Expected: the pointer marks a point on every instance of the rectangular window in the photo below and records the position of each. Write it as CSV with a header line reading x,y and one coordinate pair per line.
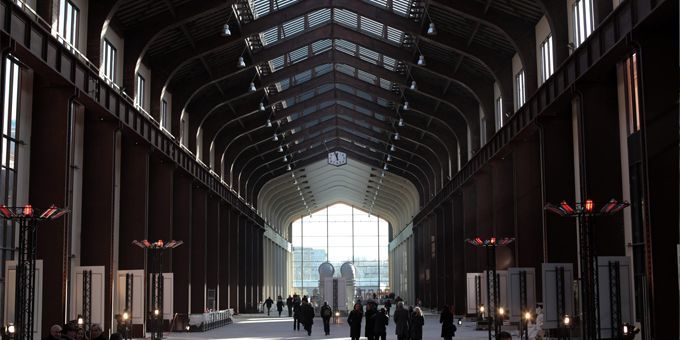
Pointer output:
x,y
139,98
520,92
68,22
164,114
499,113
546,59
631,84
8,166
583,20
110,55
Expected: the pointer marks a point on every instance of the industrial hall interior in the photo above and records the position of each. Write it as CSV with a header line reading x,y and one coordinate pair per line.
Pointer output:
x,y
400,169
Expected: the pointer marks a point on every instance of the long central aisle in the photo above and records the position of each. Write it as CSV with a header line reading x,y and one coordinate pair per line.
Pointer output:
x,y
258,326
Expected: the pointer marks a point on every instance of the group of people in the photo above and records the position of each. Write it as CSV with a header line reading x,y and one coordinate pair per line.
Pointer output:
x,y
376,321
279,305
71,331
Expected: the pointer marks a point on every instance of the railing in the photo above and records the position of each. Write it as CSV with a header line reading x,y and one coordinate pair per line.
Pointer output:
x,y
605,38
31,40
210,320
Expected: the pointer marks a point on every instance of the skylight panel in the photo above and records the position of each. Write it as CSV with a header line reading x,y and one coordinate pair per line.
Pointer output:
x,y
372,26
293,27
307,95
368,55
345,17
384,102
319,17
346,69
367,77
401,6
323,69
259,8
279,4
297,55
324,88
283,84
364,95
389,63
345,46
344,87
270,36
386,84
302,77
326,104
394,35
321,46
362,110
381,3
276,63
380,117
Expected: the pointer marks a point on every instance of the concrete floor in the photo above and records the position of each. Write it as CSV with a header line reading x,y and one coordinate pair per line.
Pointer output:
x,y
259,326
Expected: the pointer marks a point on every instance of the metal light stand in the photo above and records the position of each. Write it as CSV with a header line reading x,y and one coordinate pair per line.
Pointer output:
x,y
156,273
28,218
523,322
129,279
491,284
589,281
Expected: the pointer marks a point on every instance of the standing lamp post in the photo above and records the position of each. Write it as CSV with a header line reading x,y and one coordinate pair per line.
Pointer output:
x,y
126,329
156,250
584,212
27,218
491,279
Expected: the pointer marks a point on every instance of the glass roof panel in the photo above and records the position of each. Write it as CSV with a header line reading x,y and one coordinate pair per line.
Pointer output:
x,y
297,55
319,17
293,27
321,46
346,17
261,8
401,7
372,26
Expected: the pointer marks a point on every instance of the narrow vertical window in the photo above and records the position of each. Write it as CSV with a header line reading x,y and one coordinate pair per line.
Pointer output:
x,y
546,58
68,22
630,76
499,113
109,61
520,92
164,114
583,20
139,98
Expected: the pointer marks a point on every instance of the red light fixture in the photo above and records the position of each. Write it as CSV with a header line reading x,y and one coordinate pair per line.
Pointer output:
x,y
6,212
28,210
589,206
493,240
566,207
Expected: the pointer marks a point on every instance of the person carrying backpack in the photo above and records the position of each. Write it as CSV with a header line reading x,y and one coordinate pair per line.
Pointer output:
x,y
326,313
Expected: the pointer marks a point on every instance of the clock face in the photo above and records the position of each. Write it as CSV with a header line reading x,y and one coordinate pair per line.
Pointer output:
x,y
337,158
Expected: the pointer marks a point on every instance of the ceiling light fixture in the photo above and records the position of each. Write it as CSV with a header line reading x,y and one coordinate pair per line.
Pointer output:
x,y
414,86
241,63
285,158
269,123
401,122
252,87
226,32
385,167
393,148
276,137
262,108
406,105
396,136
431,29
280,148
389,158
421,60
289,168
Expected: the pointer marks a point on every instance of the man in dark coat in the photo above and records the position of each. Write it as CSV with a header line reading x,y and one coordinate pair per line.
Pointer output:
x,y
279,305
289,304
326,313
370,312
269,302
417,322
354,321
296,312
307,315
401,321
448,328
380,321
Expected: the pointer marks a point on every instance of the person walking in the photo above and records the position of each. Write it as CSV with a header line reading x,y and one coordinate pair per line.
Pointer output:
x,y
296,313
446,319
269,302
289,304
388,305
417,322
354,321
380,321
307,315
401,321
279,305
370,312
326,313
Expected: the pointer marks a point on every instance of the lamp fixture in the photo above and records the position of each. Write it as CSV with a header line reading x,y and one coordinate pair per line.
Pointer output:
x,y
280,148
285,158
393,148
226,32
406,105
262,108
421,60
431,29
385,167
289,168
414,86
276,137
389,158
241,63
401,122
252,87
269,123
396,136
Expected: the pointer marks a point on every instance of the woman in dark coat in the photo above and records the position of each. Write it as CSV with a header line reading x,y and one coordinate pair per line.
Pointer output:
x,y
448,328
354,321
279,305
380,321
370,312
417,322
401,321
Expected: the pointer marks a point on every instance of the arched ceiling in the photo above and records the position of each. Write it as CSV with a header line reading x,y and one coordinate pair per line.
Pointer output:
x,y
318,184
330,75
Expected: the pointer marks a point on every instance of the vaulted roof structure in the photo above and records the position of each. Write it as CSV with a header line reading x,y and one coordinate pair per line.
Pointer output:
x,y
366,77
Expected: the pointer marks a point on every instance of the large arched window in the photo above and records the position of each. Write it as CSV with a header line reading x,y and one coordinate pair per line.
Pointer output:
x,y
340,233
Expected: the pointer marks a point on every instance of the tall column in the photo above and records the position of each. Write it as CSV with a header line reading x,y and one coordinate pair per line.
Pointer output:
x,y
161,176
181,230
212,245
457,238
198,249
233,260
503,209
50,172
99,222
224,256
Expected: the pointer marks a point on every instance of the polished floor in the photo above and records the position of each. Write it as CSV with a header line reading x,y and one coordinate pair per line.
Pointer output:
x,y
259,326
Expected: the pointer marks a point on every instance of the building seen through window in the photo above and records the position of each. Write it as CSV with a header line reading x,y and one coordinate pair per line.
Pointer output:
x,y
338,234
